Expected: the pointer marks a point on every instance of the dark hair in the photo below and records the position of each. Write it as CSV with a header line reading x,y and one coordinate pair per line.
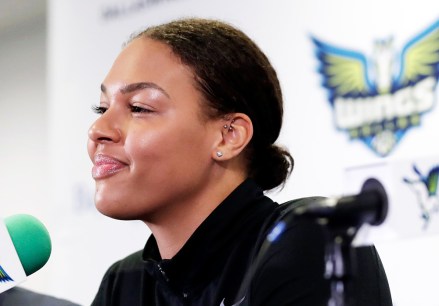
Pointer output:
x,y
233,75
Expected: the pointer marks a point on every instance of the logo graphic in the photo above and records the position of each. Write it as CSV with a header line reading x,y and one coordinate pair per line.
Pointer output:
x,y
378,99
4,277
425,189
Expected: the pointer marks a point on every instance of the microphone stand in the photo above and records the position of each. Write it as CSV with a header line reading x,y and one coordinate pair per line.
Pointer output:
x,y
342,218
339,268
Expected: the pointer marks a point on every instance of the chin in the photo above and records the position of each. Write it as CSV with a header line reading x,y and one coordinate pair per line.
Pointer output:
x,y
114,214
116,211
112,210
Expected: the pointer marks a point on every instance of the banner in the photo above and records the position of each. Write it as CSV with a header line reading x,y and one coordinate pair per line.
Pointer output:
x,y
412,189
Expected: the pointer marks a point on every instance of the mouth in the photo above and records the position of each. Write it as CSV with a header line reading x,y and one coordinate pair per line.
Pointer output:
x,y
105,166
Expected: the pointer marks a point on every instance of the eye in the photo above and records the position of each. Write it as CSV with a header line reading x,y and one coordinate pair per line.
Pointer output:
x,y
138,109
99,109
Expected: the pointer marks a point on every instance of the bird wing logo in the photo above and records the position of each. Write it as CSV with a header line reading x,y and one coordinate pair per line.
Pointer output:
x,y
425,187
4,277
377,99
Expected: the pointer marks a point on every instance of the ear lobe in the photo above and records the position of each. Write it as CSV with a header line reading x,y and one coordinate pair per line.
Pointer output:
x,y
236,133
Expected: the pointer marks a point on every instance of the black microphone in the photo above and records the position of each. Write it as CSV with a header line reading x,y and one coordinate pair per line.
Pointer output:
x,y
369,206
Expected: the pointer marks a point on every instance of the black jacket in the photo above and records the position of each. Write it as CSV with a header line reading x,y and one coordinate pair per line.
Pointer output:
x,y
210,269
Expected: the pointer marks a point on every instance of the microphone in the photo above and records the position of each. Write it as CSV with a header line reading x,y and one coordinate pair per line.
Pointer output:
x,y
25,248
369,206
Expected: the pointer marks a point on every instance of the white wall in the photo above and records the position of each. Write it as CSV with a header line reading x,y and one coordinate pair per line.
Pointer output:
x,y
23,118
24,180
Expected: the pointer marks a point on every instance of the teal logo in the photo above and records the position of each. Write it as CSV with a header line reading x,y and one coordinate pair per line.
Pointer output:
x,y
378,98
425,188
4,277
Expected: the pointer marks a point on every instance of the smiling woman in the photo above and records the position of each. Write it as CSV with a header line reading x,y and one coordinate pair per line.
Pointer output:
x,y
152,135
189,115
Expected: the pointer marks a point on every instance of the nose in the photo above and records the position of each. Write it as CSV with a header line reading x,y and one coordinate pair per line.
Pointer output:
x,y
105,129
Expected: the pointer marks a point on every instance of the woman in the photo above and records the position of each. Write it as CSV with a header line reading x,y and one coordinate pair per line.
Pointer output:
x,y
190,112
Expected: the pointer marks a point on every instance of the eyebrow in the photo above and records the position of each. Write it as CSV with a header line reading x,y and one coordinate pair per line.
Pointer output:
x,y
129,88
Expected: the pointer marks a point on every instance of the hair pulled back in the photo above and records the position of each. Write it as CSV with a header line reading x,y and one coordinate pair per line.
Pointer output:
x,y
233,75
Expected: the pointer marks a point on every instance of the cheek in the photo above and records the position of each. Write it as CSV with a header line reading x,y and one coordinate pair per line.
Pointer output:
x,y
167,152
149,156
140,146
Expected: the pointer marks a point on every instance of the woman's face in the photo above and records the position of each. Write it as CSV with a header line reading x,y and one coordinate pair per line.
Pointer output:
x,y
151,148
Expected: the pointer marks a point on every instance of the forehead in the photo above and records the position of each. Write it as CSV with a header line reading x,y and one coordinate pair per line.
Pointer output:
x,y
144,59
147,61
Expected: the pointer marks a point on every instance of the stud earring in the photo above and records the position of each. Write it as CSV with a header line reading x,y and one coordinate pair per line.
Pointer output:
x,y
230,128
219,153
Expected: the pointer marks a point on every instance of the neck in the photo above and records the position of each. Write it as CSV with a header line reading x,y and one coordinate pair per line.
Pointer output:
x,y
173,228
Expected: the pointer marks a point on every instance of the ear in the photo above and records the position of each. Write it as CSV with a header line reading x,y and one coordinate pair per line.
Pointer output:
x,y
236,132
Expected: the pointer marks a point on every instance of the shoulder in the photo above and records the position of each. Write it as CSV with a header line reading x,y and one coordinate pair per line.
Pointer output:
x,y
288,269
121,277
130,263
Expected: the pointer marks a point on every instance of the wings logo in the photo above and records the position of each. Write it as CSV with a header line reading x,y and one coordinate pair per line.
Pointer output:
x,y
4,277
377,99
425,189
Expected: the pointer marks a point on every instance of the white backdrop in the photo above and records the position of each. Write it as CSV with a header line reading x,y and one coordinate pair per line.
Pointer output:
x,y
23,117
85,37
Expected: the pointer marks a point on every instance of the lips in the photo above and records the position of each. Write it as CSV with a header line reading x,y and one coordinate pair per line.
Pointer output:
x,y
105,166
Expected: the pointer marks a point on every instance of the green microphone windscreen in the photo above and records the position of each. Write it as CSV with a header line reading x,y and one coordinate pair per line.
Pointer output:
x,y
31,241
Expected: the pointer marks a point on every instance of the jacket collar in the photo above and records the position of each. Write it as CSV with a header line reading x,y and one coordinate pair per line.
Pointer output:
x,y
209,246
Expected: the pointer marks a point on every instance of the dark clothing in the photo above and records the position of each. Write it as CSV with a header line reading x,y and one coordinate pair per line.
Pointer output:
x,y
21,297
210,268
